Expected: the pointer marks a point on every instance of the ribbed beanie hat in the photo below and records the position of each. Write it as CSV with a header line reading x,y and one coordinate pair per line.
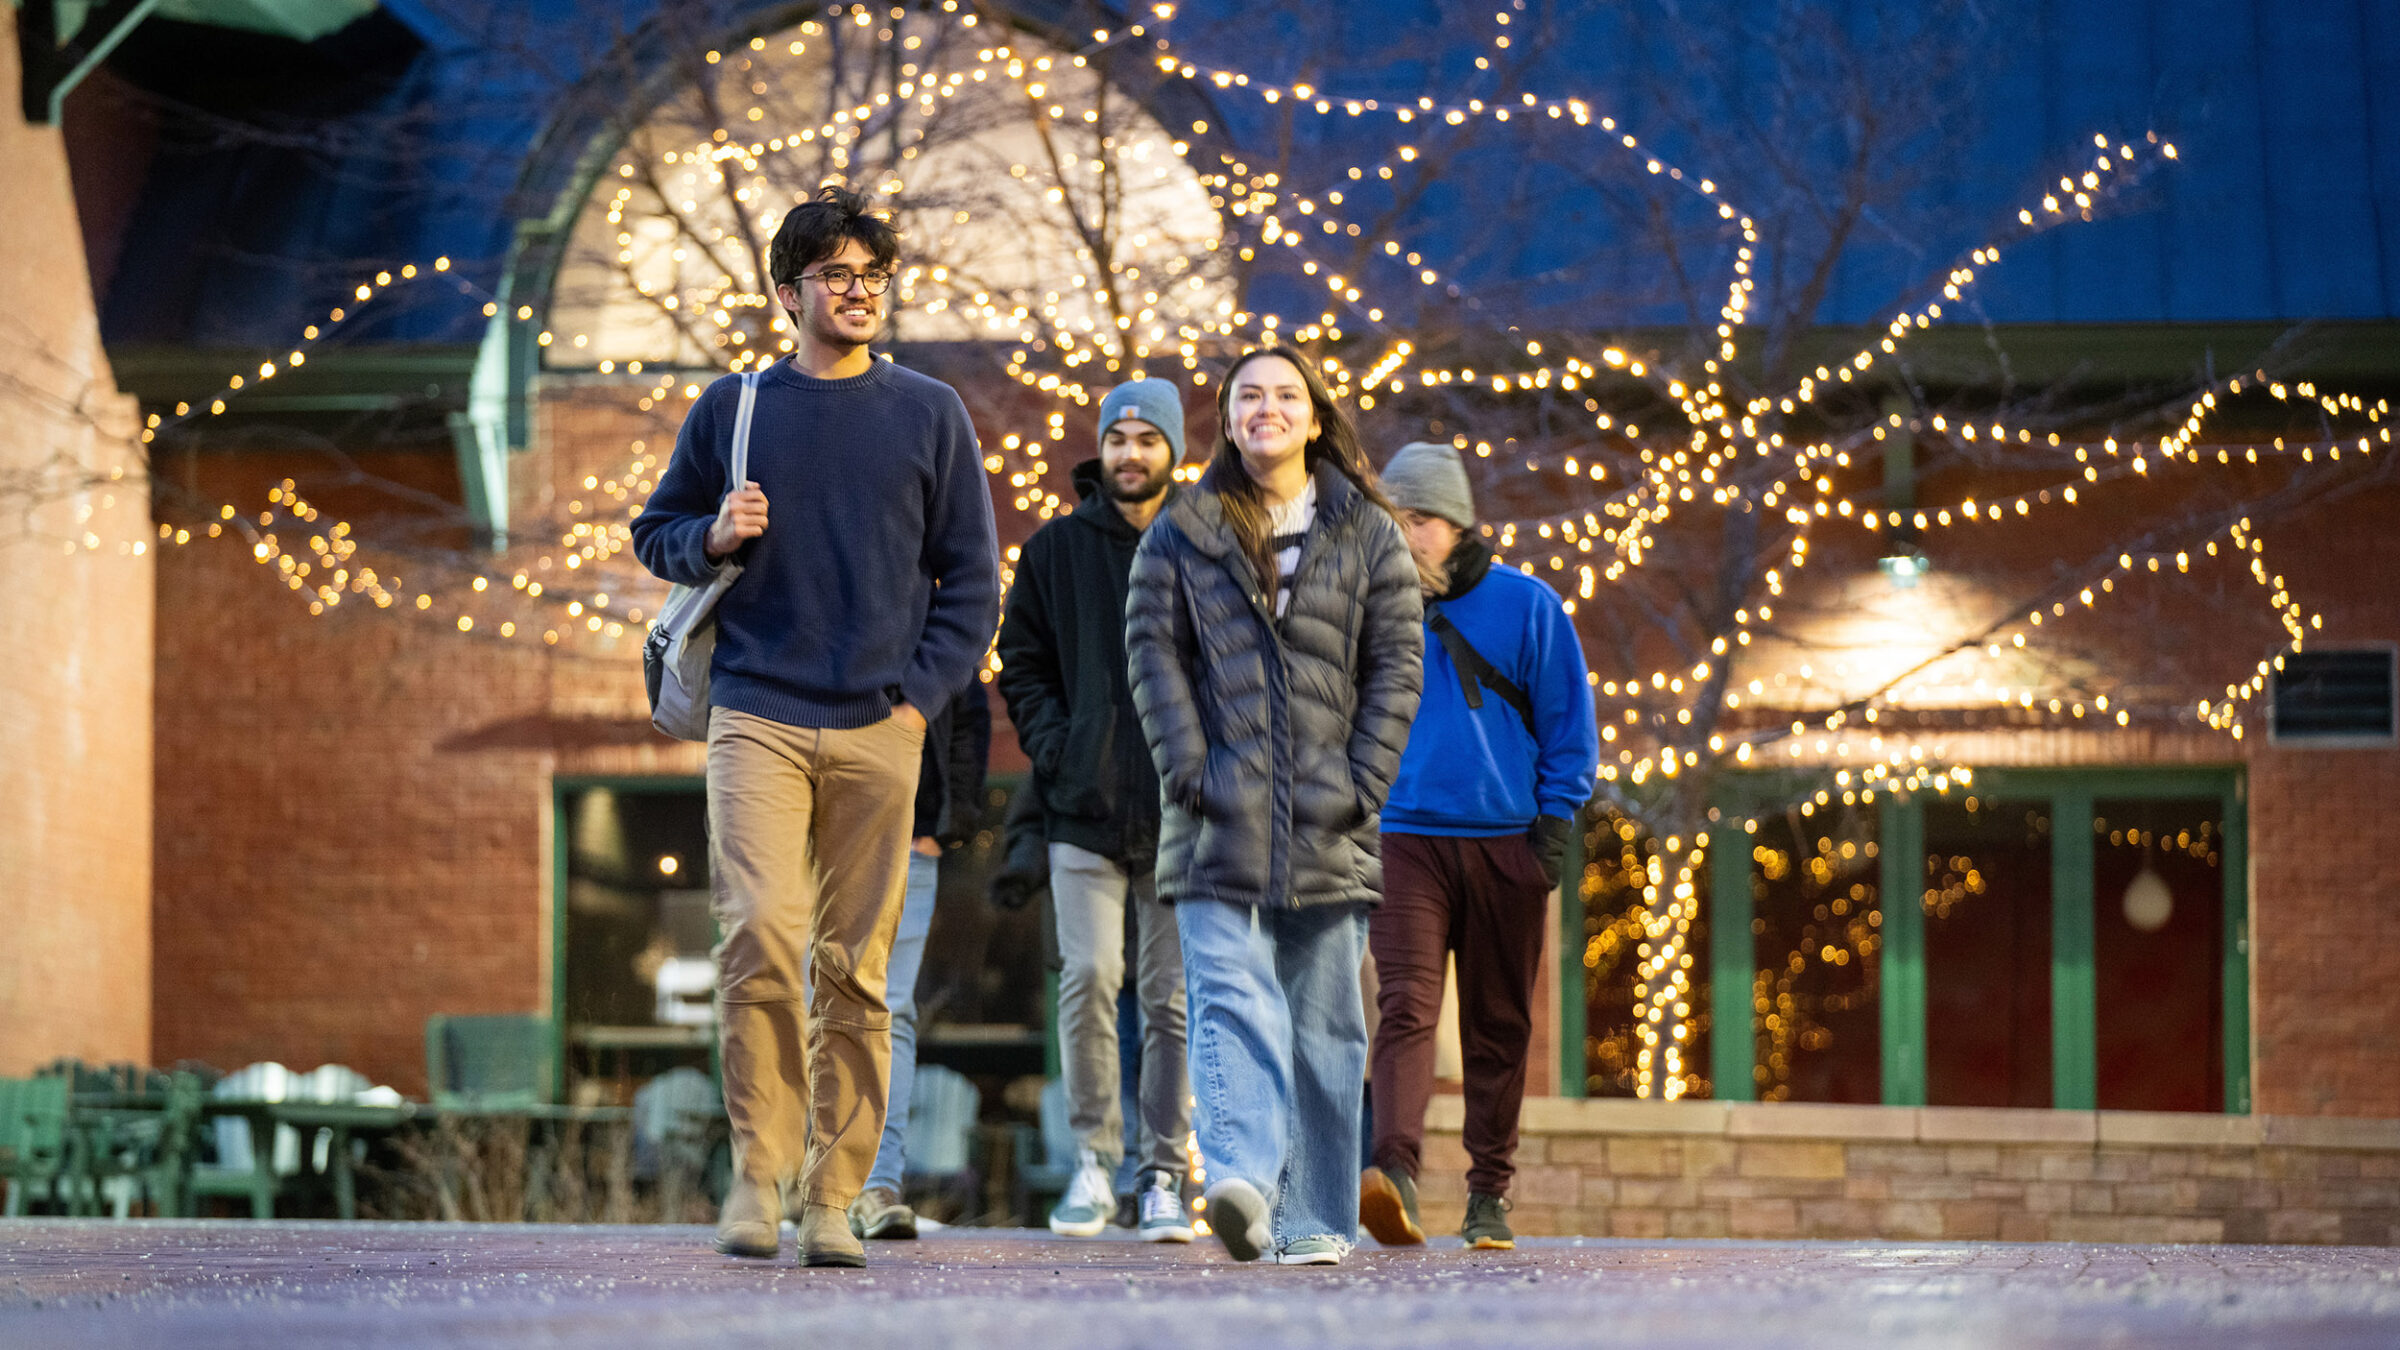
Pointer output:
x,y
1155,401
1429,477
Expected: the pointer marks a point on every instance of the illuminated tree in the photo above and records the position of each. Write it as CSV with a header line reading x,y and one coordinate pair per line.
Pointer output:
x,y
1738,499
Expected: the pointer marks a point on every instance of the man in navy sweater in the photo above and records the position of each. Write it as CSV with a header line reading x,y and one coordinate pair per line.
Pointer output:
x,y
1500,758
870,599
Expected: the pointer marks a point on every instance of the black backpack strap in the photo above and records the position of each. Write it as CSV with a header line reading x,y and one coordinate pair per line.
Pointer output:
x,y
1474,669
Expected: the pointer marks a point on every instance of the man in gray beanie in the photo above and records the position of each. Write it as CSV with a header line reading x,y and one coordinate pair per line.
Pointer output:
x,y
1063,673
1499,760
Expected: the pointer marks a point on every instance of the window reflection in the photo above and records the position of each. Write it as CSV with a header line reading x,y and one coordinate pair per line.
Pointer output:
x,y
1986,902
1816,984
2158,951
1618,860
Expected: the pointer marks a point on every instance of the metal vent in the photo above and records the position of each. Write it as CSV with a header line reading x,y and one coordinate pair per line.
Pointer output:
x,y
2335,698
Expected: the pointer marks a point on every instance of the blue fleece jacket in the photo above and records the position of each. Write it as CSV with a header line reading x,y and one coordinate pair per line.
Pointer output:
x,y
1479,771
878,577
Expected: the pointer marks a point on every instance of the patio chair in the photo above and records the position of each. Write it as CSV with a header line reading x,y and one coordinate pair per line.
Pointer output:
x,y
136,1139
34,1154
488,1062
942,1108
1045,1157
675,1118
686,987
236,1171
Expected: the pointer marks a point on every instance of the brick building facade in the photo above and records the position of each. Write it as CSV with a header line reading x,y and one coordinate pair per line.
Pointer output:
x,y
75,673
258,833
396,805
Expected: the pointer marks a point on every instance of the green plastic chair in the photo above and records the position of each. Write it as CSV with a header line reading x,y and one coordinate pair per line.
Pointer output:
x,y
488,1062
34,1156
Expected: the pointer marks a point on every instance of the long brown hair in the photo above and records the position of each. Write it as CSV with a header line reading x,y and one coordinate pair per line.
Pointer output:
x,y
1336,443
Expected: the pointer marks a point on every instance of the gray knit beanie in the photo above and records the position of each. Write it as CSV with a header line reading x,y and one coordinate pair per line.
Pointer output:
x,y
1429,477
1154,401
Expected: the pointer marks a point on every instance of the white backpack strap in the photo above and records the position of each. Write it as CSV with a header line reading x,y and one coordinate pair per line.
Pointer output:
x,y
741,431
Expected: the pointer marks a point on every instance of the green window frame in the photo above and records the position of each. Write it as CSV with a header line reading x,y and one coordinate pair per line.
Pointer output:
x,y
2074,1018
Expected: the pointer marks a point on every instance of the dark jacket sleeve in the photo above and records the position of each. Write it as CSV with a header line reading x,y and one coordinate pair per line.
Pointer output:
x,y
670,533
1391,661
1030,679
1161,651
970,751
962,553
1024,869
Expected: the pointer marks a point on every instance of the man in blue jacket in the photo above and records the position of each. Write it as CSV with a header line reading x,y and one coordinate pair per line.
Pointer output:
x,y
862,608
1500,758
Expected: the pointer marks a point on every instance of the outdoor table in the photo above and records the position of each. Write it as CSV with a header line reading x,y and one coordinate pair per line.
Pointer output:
x,y
544,1111
344,1119
597,1041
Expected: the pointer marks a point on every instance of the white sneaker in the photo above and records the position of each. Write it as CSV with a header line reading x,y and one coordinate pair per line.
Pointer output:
x,y
1085,1209
1162,1215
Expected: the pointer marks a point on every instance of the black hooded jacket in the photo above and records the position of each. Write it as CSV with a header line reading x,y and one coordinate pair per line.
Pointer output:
x,y
958,749
1063,676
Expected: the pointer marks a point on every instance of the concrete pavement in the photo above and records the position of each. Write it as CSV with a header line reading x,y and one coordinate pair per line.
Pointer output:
x,y
204,1285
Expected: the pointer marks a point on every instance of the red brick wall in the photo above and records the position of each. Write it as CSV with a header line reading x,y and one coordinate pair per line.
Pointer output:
x,y
332,865
75,602
2325,893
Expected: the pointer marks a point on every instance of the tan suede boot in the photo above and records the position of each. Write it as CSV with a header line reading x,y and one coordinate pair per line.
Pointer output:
x,y
826,1239
746,1223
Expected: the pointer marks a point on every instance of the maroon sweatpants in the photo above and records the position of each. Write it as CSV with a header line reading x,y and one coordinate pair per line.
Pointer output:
x,y
1484,899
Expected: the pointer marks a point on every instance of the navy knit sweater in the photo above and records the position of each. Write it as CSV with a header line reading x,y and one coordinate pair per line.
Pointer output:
x,y
878,576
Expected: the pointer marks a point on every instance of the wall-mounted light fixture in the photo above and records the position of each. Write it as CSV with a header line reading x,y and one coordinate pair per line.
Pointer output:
x,y
1904,566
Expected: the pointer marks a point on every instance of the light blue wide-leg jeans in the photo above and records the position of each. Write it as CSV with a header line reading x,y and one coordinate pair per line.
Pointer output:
x,y
900,995
1278,1046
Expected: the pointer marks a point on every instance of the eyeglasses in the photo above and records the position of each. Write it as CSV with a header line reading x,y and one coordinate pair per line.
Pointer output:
x,y
840,279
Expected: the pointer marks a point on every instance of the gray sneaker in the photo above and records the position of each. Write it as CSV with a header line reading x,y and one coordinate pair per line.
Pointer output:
x,y
1486,1228
1162,1216
878,1213
1312,1251
1089,1202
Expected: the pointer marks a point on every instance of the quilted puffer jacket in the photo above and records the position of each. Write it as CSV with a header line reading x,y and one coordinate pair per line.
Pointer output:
x,y
1275,741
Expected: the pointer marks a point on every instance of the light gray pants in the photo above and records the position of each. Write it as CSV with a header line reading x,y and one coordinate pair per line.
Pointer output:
x,y
1089,893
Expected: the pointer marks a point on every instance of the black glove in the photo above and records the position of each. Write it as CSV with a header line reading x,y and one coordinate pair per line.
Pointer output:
x,y
1548,840
1015,890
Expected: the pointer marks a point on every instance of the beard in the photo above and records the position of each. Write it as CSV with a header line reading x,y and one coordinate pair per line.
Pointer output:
x,y
1140,492
828,331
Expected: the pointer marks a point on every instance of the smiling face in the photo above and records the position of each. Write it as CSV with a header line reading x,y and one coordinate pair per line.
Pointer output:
x,y
1136,460
1268,413
841,320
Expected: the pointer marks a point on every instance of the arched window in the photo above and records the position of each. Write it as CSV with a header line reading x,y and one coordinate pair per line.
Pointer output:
x,y
1042,209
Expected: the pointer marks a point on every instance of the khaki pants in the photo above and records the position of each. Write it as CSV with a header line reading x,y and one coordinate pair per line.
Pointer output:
x,y
808,839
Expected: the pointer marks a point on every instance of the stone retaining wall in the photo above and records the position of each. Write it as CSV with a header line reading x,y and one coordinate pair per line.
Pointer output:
x,y
1716,1170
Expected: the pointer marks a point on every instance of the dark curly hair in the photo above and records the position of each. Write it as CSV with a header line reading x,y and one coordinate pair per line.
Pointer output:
x,y
816,230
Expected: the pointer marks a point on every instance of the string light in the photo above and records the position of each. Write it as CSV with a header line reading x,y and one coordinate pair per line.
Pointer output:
x,y
1062,339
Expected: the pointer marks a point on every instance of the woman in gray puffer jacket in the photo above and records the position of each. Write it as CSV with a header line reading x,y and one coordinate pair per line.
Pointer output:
x,y
1274,630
